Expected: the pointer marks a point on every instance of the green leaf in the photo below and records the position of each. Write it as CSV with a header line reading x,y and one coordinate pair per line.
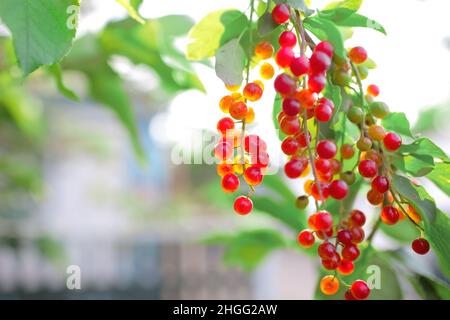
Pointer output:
x,y
55,70
398,123
326,30
416,165
213,31
403,231
369,64
349,4
51,249
424,146
345,17
436,222
132,8
247,249
41,29
429,119
230,63
266,25
440,176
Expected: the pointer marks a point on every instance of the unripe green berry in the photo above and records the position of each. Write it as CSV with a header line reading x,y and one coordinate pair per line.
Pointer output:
x,y
379,109
355,115
302,202
364,144
349,177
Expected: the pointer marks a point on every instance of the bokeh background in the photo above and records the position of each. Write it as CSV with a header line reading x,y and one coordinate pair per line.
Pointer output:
x,y
73,191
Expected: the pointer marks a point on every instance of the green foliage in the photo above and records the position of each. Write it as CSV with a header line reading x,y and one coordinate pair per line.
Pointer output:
x,y
398,123
56,71
345,17
440,176
213,31
326,30
41,30
131,7
230,62
349,4
247,249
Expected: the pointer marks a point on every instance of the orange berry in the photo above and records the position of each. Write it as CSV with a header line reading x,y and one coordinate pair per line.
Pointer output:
x,y
329,285
225,103
308,186
224,168
252,91
376,132
307,98
374,197
238,110
250,116
264,50
266,71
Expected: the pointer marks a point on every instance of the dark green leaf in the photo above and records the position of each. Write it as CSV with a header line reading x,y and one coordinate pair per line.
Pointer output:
x,y
230,63
266,25
213,31
440,176
398,123
424,146
416,165
42,30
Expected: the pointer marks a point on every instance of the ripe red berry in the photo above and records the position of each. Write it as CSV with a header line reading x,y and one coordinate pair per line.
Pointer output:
x,y
374,197
344,237
295,167
360,290
284,57
326,149
305,239
323,188
390,215
348,295
323,166
323,221
254,144
252,91
367,168
358,234
319,62
281,13
303,139
347,151
373,90
357,217
420,246
323,112
392,141
333,262
381,184
338,189
322,235
230,183
290,146
300,66
284,84
291,106
253,175
224,125
326,250
287,39
350,252
346,267
307,98
358,55
316,82
223,150
325,47
260,159
290,125
243,205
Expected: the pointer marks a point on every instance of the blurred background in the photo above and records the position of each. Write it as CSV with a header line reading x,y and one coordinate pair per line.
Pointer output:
x,y
76,188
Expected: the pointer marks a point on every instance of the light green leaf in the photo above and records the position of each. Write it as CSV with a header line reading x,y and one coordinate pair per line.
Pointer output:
x,y
132,8
213,31
326,30
357,20
42,30
440,176
398,123
230,63
424,146
416,165
55,70
349,4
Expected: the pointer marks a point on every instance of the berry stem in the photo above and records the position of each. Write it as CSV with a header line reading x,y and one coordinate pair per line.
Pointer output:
x,y
361,95
404,211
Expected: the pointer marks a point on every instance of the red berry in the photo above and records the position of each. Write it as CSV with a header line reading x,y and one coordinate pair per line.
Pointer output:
x,y
224,125
323,112
323,221
306,239
344,237
285,84
243,205
300,66
290,146
319,62
420,246
360,290
281,13
350,252
346,267
367,168
291,106
347,151
290,125
295,167
322,235
326,149
373,90
358,55
358,234
287,39
338,189
223,150
322,165
316,82
326,250
325,47
253,175
252,91
381,184
230,183
301,138
390,215
254,144
260,159
335,166
323,188
348,295
284,57
392,141
333,262
357,217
